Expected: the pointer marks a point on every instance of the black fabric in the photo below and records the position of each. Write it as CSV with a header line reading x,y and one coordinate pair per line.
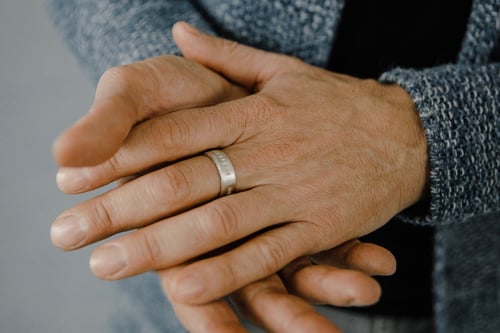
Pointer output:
x,y
373,37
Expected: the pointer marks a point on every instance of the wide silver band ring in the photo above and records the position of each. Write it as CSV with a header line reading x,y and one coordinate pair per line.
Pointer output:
x,y
225,169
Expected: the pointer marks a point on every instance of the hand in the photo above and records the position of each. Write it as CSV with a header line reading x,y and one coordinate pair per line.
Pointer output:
x,y
127,95
282,304
321,158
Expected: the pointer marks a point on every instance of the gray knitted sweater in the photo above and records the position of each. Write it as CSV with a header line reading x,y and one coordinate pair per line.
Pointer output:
x,y
458,105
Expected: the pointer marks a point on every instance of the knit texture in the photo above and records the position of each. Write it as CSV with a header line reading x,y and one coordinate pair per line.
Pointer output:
x,y
268,25
107,33
467,276
457,103
459,108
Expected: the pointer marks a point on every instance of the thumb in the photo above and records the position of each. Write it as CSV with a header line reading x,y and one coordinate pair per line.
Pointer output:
x,y
98,134
242,64
94,138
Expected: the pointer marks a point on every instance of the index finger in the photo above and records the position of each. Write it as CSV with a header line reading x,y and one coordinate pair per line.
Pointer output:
x,y
129,94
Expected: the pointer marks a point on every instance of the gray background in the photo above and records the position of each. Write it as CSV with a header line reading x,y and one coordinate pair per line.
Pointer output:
x,y
42,91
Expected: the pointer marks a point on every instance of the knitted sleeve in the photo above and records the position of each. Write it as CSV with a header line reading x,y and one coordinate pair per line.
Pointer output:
x,y
459,108
106,33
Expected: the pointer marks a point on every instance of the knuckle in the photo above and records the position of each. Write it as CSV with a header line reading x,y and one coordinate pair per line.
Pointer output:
x,y
174,185
257,114
273,253
230,122
118,74
263,111
103,215
334,217
166,133
333,222
151,248
137,82
222,223
115,164
267,103
231,275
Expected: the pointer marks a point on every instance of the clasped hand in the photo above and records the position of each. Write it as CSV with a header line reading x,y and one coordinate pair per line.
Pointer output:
x,y
320,158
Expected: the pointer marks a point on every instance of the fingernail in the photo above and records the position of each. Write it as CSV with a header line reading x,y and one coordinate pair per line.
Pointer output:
x,y
72,179
189,287
68,232
108,261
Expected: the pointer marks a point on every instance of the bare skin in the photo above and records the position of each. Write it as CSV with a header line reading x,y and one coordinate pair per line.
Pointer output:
x,y
283,303
321,158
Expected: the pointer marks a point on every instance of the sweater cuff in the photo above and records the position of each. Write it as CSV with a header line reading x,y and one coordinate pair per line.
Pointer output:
x,y
459,108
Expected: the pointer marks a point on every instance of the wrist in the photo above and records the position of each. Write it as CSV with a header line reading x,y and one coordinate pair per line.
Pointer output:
x,y
398,119
413,134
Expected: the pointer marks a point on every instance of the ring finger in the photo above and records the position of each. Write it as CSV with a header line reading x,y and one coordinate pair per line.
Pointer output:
x,y
163,193
162,139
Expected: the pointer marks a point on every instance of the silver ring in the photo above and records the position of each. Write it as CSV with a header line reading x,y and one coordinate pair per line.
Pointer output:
x,y
226,171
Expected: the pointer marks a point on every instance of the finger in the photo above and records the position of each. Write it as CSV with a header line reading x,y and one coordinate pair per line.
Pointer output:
x,y
268,303
156,195
137,203
366,257
129,94
226,57
108,121
216,316
322,284
187,235
178,135
162,139
206,280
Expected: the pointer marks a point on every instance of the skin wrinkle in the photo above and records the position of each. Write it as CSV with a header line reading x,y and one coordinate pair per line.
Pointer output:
x,y
151,100
362,154
116,78
252,296
167,133
279,246
452,201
